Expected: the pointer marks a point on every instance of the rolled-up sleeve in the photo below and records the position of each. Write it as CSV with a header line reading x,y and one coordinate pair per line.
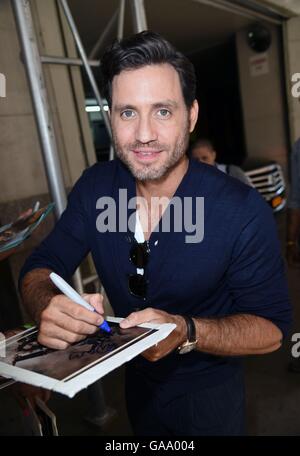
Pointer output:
x,y
68,243
256,275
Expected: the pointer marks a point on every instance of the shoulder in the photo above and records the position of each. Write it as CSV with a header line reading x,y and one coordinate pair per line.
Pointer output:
x,y
100,176
231,200
95,181
100,169
217,184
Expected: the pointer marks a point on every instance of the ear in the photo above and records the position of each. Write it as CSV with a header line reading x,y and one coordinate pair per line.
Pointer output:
x,y
193,115
214,154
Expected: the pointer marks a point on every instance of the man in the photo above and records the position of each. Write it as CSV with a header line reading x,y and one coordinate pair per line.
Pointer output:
x,y
225,291
204,151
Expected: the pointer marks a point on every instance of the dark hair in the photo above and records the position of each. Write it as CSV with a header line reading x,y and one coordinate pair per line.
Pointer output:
x,y
146,48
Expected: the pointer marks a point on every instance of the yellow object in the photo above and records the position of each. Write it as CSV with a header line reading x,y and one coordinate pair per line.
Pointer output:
x,y
276,201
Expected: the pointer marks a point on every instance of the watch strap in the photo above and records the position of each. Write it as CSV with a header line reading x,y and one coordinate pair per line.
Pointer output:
x,y
191,328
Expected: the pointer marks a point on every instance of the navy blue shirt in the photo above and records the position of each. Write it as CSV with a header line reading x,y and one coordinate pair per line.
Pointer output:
x,y
236,269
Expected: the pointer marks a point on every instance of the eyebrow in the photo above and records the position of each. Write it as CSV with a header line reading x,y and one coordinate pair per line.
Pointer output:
x,y
166,103
159,104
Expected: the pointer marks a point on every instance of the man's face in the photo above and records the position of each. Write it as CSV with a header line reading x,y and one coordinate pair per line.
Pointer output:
x,y
205,155
150,121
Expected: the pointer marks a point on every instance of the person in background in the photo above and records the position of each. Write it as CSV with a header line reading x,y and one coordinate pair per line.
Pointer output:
x,y
204,151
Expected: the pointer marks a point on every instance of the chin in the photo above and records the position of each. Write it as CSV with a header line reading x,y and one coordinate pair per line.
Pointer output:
x,y
147,174
150,172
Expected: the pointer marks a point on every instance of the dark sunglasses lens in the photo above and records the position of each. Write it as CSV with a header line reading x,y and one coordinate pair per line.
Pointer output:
x,y
139,254
137,285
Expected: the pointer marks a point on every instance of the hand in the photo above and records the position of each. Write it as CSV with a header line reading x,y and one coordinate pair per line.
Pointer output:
x,y
25,214
166,346
22,391
63,322
293,256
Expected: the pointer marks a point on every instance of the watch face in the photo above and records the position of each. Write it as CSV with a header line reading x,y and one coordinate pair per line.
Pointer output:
x,y
187,348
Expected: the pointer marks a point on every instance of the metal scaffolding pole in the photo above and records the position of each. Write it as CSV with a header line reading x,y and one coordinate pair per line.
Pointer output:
x,y
37,85
40,103
103,36
139,15
67,61
69,17
111,152
121,19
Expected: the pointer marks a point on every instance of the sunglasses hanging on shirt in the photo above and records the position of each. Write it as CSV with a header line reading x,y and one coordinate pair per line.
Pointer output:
x,y
139,256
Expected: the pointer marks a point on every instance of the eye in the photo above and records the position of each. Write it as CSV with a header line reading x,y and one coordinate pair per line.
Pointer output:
x,y
128,114
164,113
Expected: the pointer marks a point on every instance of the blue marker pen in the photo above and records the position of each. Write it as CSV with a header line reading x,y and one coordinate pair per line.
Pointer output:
x,y
67,290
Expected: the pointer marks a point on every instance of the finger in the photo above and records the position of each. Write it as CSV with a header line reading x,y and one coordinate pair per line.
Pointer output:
x,y
63,334
25,214
143,316
53,342
70,324
95,300
70,308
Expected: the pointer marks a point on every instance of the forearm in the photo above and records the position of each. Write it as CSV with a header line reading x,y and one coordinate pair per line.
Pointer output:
x,y
237,335
37,290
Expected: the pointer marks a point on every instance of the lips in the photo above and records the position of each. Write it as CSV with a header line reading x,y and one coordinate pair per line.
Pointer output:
x,y
146,154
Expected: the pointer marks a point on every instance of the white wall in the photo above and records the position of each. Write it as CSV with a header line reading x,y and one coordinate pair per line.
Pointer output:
x,y
263,102
22,176
22,171
292,51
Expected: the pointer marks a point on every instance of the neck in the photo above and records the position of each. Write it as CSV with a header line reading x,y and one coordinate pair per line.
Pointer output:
x,y
167,185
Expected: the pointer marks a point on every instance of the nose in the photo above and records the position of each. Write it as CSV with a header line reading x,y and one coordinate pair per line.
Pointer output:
x,y
145,130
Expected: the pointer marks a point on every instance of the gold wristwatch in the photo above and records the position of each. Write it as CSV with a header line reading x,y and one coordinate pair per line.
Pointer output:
x,y
191,342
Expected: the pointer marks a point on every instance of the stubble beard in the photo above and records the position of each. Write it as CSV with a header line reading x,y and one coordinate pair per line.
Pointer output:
x,y
149,172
